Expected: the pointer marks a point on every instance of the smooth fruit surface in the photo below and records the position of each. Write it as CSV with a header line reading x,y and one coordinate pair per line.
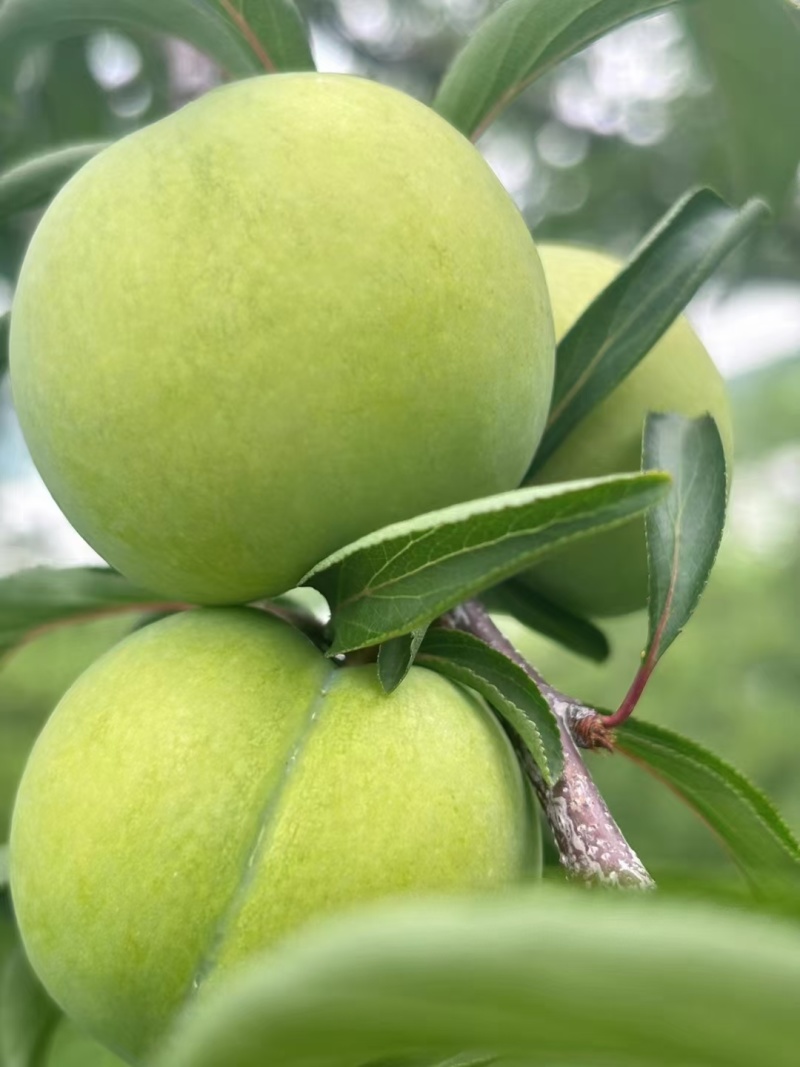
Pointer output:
x,y
214,782
297,310
606,574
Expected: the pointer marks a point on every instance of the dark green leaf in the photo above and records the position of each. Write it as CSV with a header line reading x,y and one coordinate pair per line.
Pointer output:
x,y
683,532
521,41
538,613
26,22
28,1017
748,824
403,576
685,528
33,182
752,49
396,656
624,322
5,324
539,977
45,596
504,685
275,31
4,875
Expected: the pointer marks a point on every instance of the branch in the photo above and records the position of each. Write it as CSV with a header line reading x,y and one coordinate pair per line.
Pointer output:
x,y
590,844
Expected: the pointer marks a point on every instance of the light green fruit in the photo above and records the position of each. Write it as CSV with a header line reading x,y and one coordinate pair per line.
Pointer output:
x,y
607,573
297,310
214,782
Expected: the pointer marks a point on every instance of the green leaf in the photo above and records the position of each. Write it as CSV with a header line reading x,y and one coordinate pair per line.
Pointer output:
x,y
552,620
751,48
521,41
539,977
28,1017
624,322
683,532
33,182
505,686
274,30
738,813
395,658
45,596
404,575
27,22
4,869
5,324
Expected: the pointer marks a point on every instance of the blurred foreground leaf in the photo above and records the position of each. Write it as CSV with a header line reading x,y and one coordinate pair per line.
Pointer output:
x,y
403,576
684,531
748,824
521,41
34,181
505,686
752,48
539,976
24,23
45,596
274,30
623,323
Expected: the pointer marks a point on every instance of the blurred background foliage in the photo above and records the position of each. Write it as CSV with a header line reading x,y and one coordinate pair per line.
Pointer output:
x,y
594,153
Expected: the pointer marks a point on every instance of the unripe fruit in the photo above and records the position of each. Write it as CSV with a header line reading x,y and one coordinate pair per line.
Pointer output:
x,y
297,310
606,574
213,782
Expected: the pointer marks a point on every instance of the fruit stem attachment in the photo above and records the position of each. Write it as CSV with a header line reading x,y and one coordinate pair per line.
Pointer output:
x,y
591,846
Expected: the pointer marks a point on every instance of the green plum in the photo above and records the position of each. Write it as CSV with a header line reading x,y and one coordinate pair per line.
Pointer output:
x,y
297,310
606,574
213,782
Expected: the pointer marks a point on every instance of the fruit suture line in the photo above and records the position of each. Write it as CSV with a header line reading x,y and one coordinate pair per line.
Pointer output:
x,y
591,846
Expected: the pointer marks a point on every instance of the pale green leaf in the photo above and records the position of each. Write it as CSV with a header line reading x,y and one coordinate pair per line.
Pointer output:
x,y
540,977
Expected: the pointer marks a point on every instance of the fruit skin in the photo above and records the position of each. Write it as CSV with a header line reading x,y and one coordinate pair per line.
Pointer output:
x,y
213,782
607,574
297,310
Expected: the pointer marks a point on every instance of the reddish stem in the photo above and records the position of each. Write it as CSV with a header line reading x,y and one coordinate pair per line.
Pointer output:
x,y
246,31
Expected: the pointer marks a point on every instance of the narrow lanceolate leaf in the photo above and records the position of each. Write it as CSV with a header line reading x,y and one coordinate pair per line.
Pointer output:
x,y
5,325
36,599
35,181
274,30
403,576
540,977
683,532
27,22
521,41
396,656
28,1017
751,49
623,323
505,686
738,813
548,618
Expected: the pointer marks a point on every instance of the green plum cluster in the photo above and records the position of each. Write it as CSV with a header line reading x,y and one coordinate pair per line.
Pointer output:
x,y
303,308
